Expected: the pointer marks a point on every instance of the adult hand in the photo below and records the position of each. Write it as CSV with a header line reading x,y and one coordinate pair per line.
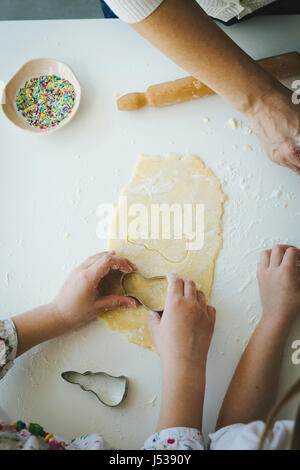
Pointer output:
x,y
275,119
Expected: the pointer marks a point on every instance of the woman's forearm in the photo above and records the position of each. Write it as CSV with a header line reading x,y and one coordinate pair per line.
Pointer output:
x,y
253,389
186,34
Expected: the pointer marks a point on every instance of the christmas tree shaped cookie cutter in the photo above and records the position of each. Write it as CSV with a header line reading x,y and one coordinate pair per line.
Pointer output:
x,y
110,390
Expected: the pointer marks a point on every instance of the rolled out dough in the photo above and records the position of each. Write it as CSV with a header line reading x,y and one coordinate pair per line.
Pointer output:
x,y
165,180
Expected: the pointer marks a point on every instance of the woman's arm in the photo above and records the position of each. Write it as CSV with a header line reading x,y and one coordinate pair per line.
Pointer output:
x,y
186,34
183,31
253,389
77,302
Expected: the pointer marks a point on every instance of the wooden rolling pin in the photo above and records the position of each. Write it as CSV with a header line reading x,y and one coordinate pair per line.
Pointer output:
x,y
188,88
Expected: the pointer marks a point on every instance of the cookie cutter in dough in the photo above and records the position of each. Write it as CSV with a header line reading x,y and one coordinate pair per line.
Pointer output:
x,y
160,312
110,391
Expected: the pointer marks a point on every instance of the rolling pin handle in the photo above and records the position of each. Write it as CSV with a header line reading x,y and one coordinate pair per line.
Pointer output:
x,y
132,101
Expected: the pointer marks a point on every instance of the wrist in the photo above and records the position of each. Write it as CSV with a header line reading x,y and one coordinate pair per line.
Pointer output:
x,y
182,360
264,98
280,324
38,325
179,372
62,320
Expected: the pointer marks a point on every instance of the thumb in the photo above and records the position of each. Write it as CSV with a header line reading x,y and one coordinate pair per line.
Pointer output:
x,y
153,323
108,302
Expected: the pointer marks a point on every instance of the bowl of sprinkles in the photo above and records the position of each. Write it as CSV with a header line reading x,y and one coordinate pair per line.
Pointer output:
x,y
42,96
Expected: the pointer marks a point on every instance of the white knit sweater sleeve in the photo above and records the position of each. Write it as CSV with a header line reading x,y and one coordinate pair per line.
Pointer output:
x,y
133,11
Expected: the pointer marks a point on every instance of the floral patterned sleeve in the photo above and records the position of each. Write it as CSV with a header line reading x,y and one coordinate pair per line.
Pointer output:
x,y
8,345
175,439
18,435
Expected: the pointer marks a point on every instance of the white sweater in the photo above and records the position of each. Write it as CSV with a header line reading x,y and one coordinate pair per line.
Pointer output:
x,y
133,11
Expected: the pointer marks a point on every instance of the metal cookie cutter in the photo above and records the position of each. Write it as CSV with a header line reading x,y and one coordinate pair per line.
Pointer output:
x,y
127,294
110,390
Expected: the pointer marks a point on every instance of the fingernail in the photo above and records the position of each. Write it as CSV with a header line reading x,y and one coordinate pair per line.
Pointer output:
x,y
127,269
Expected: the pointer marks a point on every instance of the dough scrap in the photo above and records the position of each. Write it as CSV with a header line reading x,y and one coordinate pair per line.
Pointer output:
x,y
157,180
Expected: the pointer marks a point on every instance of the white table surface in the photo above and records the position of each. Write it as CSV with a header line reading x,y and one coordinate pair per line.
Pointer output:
x,y
53,184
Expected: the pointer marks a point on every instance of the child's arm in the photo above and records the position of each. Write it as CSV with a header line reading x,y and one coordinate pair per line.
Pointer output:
x,y
77,302
182,337
253,389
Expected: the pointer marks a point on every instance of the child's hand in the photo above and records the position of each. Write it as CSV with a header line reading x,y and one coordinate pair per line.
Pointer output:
x,y
79,301
183,334
182,337
279,283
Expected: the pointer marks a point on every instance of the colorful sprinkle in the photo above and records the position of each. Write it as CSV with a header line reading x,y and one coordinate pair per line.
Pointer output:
x,y
45,101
